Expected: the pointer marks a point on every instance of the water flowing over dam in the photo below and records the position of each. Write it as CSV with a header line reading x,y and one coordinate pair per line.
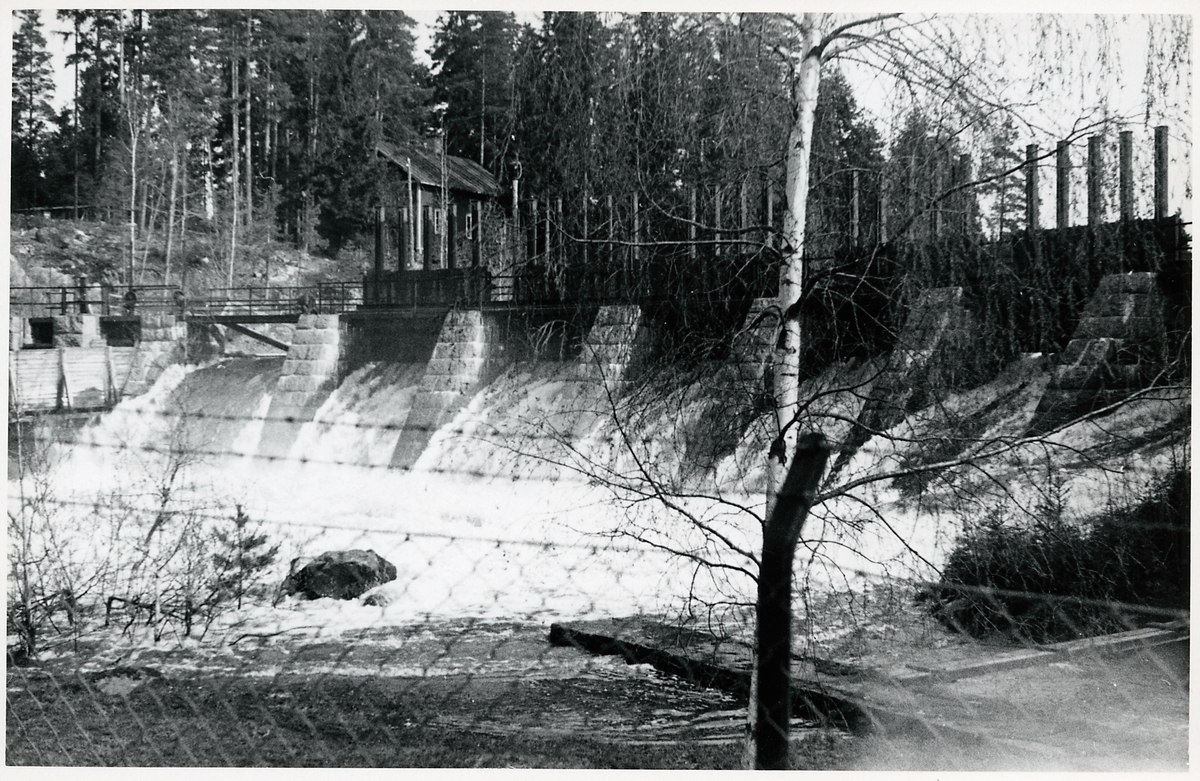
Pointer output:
x,y
461,535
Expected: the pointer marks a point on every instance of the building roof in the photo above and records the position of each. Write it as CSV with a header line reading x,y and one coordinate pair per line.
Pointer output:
x,y
462,175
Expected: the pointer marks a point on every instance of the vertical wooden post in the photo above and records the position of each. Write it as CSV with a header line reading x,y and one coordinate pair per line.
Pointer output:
x,y
1095,168
533,225
428,245
964,203
1031,188
452,236
883,209
380,248
477,233
770,213
559,243
743,212
854,230
636,254
717,221
586,236
1160,172
692,228
1126,175
419,227
1062,201
401,237
612,227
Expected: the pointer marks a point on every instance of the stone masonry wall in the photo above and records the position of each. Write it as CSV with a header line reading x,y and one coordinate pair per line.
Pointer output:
x,y
1117,348
932,349
470,351
618,341
310,372
754,343
163,341
77,331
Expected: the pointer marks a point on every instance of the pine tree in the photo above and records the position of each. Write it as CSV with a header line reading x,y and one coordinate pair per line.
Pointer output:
x,y
473,64
242,556
32,86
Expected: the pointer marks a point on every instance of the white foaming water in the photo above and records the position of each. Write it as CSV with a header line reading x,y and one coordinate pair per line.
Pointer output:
x,y
464,544
361,420
246,442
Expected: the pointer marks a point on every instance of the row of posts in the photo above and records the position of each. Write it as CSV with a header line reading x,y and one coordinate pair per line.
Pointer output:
x,y
1094,173
423,239
958,176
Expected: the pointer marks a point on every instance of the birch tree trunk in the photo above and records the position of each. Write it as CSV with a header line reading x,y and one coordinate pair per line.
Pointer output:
x,y
791,272
174,188
791,280
249,135
233,217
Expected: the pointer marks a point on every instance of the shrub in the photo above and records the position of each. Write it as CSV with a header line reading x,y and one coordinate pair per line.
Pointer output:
x,y
242,556
1067,574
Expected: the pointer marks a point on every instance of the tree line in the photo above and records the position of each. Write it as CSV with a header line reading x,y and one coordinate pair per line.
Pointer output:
x,y
263,122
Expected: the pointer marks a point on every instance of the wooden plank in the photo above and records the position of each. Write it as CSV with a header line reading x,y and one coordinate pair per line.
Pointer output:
x,y
85,377
1062,165
1126,175
37,375
241,329
1161,163
1031,187
1094,171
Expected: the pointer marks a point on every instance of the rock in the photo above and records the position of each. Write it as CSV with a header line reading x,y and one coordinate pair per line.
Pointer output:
x,y
377,599
339,574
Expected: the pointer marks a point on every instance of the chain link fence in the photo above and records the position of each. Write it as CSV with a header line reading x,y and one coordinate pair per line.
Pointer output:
x,y
164,609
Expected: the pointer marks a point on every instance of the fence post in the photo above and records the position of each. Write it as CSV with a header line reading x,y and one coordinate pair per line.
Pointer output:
x,y
1095,164
1062,165
477,230
1126,175
717,221
1031,188
770,232
559,242
743,213
964,210
533,222
452,236
854,227
883,210
609,266
380,217
1160,172
692,227
586,235
780,534
636,265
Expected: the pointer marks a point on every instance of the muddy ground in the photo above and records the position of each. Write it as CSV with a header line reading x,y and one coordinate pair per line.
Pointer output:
x,y
497,694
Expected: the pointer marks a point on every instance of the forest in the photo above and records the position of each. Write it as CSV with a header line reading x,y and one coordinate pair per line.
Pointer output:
x,y
264,122
206,130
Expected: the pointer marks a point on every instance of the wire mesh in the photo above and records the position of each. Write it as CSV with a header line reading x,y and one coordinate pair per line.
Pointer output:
x,y
159,616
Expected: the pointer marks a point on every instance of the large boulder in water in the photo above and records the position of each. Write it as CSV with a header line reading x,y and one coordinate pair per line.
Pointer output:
x,y
339,574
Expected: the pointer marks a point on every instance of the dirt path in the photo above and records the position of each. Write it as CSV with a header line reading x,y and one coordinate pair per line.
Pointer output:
x,y
452,694
499,694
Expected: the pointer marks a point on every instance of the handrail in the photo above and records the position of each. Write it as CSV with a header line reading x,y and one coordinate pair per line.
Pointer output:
x,y
323,297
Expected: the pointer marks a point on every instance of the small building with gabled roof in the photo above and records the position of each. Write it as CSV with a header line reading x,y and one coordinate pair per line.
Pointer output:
x,y
437,207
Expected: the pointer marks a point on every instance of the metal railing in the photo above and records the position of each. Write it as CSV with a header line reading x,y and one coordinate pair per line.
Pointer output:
x,y
49,301
105,300
322,298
